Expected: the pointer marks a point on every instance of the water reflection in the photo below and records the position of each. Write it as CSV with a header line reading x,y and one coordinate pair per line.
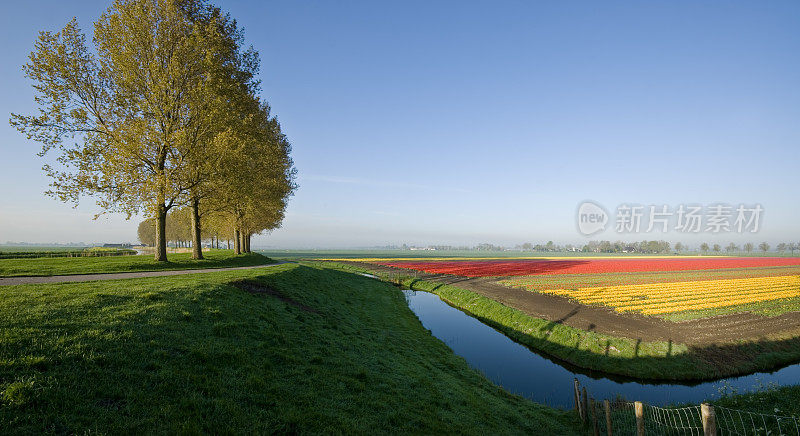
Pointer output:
x,y
521,371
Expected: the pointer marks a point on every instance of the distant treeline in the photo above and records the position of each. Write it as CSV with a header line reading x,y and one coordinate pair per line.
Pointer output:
x,y
642,247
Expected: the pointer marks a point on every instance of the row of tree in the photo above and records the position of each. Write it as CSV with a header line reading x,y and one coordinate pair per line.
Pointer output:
x,y
163,114
749,247
649,247
653,247
179,230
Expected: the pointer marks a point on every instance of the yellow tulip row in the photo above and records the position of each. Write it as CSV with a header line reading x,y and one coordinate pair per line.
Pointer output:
x,y
690,292
752,293
602,292
700,305
661,298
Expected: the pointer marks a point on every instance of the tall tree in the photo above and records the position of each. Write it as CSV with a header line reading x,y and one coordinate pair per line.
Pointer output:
x,y
131,108
258,171
231,80
763,247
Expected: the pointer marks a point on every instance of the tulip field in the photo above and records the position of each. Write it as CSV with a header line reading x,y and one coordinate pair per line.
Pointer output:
x,y
650,286
663,298
574,265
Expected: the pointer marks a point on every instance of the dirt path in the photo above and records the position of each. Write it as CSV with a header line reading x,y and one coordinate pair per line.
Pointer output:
x,y
7,281
706,331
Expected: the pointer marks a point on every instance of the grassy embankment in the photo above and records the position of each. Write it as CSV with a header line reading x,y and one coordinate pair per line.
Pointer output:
x,y
99,265
663,361
321,351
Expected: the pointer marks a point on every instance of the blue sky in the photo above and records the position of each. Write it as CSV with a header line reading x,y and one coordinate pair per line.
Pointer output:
x,y
467,122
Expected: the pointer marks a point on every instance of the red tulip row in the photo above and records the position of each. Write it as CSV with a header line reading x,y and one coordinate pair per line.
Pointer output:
x,y
519,267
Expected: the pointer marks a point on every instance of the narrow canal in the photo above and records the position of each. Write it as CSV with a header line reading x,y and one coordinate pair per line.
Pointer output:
x,y
522,371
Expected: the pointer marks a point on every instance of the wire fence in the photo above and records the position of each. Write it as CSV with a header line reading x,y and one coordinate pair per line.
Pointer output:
x,y
621,417
740,422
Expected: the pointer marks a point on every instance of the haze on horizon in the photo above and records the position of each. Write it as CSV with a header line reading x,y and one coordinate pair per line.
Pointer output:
x,y
458,124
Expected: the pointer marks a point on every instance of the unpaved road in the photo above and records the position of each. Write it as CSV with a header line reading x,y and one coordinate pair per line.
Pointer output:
x,y
715,330
6,281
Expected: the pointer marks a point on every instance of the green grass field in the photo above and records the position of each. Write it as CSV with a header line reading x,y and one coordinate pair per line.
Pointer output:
x,y
35,248
322,351
99,265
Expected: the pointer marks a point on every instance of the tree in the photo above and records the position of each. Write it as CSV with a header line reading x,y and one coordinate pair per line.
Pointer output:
x,y
178,228
781,247
134,108
792,246
717,248
704,247
732,247
763,247
678,247
748,247
147,232
254,194
231,81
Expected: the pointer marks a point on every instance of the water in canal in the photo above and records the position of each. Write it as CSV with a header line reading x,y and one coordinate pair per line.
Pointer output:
x,y
522,371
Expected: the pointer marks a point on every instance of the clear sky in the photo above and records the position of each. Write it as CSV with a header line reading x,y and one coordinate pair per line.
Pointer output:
x,y
466,122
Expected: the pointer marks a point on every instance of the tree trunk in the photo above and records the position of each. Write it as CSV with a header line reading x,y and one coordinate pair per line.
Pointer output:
x,y
161,233
197,244
237,248
246,240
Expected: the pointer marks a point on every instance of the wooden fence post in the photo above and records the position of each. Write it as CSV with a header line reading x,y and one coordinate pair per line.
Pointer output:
x,y
607,405
584,404
638,408
594,418
577,397
709,419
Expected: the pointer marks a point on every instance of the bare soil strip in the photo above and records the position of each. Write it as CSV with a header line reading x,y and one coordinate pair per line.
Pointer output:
x,y
715,330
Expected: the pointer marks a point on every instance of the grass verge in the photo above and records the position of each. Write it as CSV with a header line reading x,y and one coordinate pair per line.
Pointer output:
x,y
101,265
769,400
299,350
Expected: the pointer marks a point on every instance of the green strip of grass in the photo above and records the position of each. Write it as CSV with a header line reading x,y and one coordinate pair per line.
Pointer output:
x,y
101,265
323,352
769,400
